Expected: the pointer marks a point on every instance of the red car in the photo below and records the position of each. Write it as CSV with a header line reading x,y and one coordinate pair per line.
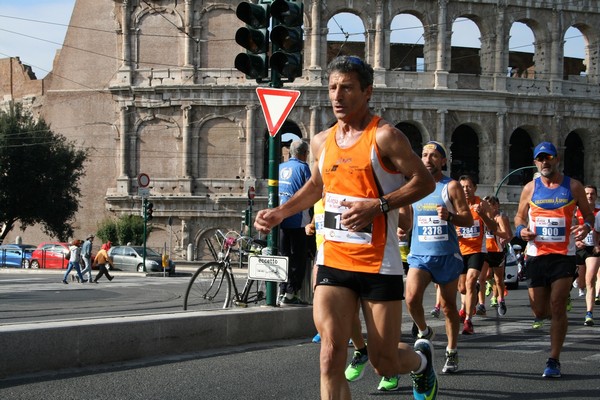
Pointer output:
x,y
51,255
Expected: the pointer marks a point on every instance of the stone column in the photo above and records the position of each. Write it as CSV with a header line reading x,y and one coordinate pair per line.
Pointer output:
x,y
315,19
379,45
250,172
556,52
441,129
126,45
501,59
186,170
441,75
124,136
189,42
501,153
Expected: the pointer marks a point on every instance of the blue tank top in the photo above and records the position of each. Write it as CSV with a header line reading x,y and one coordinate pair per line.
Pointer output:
x,y
432,236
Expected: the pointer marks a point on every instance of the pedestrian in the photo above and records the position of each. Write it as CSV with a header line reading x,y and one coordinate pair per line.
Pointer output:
x,y
434,252
86,256
545,220
365,169
493,267
102,259
293,243
472,247
74,260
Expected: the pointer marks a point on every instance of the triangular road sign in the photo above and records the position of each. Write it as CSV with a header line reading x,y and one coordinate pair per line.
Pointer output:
x,y
276,105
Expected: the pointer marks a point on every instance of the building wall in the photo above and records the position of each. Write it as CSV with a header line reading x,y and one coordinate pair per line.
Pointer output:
x,y
151,88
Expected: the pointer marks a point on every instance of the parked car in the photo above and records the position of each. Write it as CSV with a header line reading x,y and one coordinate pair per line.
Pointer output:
x,y
16,255
129,258
511,269
51,255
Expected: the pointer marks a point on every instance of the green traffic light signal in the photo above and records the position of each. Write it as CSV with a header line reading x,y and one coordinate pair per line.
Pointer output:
x,y
254,37
287,38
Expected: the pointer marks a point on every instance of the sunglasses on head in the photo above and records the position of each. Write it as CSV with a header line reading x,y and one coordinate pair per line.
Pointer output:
x,y
544,157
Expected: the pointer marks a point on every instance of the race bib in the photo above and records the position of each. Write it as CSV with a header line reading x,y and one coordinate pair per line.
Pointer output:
x,y
471,231
550,230
431,228
332,224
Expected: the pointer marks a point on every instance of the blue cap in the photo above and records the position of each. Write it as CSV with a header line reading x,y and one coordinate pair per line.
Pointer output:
x,y
545,147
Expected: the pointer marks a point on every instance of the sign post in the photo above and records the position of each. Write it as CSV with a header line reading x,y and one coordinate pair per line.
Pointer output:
x,y
276,105
143,182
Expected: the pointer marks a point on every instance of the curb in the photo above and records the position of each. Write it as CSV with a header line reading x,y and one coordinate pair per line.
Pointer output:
x,y
35,347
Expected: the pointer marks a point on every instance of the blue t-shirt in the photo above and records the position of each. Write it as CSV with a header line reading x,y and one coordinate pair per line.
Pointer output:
x,y
293,174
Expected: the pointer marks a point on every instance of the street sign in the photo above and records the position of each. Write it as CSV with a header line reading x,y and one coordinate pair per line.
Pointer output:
x,y
251,193
268,268
143,180
143,192
276,105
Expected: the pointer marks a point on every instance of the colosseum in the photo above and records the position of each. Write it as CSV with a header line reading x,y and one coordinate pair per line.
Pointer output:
x,y
150,87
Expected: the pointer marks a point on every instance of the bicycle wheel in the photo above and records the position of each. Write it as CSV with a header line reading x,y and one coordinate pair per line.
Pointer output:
x,y
255,292
209,288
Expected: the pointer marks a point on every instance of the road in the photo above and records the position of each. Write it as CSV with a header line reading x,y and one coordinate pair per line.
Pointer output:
x,y
503,360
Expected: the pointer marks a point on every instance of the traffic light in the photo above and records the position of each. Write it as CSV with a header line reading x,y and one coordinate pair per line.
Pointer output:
x,y
287,38
148,210
254,37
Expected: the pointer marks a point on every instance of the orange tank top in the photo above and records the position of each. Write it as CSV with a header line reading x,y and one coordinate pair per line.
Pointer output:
x,y
471,239
357,173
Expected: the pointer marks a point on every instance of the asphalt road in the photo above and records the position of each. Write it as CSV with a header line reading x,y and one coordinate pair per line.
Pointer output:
x,y
503,360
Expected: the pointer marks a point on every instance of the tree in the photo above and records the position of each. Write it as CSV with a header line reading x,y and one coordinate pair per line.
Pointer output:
x,y
39,175
128,228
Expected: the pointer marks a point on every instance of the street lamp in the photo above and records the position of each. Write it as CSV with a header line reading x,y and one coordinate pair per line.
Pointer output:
x,y
510,173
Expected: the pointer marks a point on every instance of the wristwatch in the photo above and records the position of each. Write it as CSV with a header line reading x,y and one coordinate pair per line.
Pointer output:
x,y
383,205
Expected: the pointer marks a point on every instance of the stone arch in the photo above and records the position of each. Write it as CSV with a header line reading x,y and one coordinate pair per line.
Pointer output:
x,y
465,152
574,68
520,155
218,21
217,142
339,37
520,60
287,127
150,25
460,53
415,133
407,55
157,146
574,156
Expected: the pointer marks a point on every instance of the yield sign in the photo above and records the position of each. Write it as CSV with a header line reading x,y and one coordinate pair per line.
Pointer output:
x,y
276,105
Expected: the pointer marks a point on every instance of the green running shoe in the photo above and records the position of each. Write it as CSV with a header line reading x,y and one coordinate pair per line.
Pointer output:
x,y
356,368
425,384
488,287
569,304
493,302
537,323
388,384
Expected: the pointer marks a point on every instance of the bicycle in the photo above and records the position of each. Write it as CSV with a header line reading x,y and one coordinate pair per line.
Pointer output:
x,y
211,285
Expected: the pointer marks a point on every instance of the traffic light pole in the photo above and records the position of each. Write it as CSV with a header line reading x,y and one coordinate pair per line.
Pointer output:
x,y
273,194
145,207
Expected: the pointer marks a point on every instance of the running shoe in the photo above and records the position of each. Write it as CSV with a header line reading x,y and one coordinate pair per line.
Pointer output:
x,y
356,368
429,335
552,369
468,327
435,312
389,383
414,330
488,287
537,323
569,304
451,364
480,310
589,320
493,302
294,301
501,308
317,338
462,314
425,384
581,292
597,301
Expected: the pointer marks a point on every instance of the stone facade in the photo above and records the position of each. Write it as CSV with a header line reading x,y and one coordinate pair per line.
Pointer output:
x,y
150,87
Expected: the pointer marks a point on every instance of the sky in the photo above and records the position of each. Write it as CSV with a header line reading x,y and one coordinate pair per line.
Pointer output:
x,y
34,29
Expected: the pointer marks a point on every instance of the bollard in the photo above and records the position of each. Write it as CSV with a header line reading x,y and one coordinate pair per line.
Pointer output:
x,y
190,252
